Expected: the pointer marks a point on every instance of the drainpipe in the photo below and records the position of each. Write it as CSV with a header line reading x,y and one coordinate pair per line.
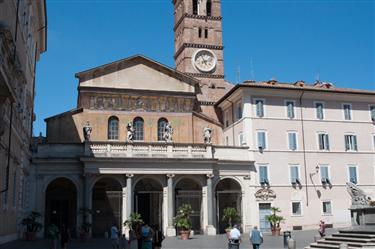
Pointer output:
x,y
9,151
303,147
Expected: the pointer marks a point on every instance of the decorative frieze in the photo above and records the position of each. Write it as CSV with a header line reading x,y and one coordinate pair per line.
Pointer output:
x,y
265,194
139,103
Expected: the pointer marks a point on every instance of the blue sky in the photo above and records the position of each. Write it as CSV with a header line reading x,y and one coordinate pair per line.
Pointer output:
x,y
263,39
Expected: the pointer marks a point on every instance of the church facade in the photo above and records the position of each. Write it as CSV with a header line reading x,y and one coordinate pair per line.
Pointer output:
x,y
147,138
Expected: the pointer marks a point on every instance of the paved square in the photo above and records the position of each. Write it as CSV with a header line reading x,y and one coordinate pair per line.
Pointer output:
x,y
303,238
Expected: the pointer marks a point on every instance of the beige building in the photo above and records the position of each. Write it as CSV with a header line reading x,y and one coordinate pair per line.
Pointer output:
x,y
307,142
147,138
22,40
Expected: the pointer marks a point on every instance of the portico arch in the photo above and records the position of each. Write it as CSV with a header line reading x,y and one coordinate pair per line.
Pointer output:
x,y
189,191
148,200
228,193
106,205
61,204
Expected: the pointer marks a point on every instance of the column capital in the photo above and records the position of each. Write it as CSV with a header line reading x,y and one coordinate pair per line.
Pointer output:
x,y
129,175
210,176
171,175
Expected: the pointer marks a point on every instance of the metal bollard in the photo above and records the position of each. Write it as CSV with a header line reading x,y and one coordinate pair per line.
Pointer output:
x,y
286,236
292,244
343,246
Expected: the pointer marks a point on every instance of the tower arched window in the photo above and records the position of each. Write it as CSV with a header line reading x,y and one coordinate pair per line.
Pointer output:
x,y
200,32
138,129
113,128
162,122
195,7
209,8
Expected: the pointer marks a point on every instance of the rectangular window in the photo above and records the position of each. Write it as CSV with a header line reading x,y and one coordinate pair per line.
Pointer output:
x,y
319,108
323,141
324,174
263,174
239,110
290,109
206,33
327,208
259,105
351,143
296,208
241,139
261,135
353,174
372,113
347,111
14,197
200,33
294,174
292,140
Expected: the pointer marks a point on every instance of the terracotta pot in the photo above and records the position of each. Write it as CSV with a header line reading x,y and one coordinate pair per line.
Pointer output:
x,y
276,231
29,236
184,234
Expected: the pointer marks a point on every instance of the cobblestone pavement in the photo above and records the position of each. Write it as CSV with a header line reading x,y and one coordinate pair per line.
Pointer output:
x,y
303,238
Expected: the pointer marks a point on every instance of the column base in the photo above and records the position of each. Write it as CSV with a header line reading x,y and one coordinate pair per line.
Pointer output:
x,y
171,232
210,230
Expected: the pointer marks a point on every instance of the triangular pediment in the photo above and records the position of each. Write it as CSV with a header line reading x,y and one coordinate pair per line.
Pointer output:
x,y
137,73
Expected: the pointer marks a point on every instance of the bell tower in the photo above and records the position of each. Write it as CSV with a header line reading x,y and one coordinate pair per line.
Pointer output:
x,y
198,39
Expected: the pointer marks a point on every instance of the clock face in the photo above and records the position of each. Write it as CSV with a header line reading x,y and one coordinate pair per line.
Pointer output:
x,y
204,60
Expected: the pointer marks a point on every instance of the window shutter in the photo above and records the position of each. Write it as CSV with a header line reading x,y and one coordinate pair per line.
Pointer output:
x,y
290,107
261,140
259,106
355,147
347,142
326,141
321,141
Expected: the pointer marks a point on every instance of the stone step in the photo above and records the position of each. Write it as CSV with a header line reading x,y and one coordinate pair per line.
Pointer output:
x,y
356,235
351,244
327,246
358,231
349,239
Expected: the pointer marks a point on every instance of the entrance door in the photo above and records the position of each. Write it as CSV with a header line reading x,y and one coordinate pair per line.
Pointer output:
x,y
148,204
194,198
226,199
264,210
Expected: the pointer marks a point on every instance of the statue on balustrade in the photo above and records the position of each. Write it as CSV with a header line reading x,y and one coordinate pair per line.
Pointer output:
x,y
168,132
207,135
130,132
87,130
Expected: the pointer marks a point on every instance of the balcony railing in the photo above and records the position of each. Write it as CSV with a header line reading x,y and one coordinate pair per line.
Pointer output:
x,y
113,149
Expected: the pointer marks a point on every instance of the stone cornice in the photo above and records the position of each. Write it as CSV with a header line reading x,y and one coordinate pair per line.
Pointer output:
x,y
203,75
196,45
201,17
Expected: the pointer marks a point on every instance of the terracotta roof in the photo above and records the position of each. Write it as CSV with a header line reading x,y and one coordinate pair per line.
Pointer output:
x,y
299,85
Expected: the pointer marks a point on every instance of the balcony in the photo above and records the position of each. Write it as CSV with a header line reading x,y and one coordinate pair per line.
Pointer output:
x,y
114,149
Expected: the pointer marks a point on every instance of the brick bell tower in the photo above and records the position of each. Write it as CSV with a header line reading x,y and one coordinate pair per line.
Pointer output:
x,y
199,45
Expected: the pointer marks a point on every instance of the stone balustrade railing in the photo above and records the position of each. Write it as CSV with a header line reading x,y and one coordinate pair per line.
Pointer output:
x,y
143,150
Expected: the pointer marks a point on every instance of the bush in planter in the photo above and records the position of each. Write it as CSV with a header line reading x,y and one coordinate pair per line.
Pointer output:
x,y
32,225
182,220
275,220
231,217
134,219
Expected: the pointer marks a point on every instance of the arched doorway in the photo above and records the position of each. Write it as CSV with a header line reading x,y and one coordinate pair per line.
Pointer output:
x,y
61,204
228,194
148,194
106,206
188,191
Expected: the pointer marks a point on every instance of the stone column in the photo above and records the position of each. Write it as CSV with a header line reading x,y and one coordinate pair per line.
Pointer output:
x,y
129,194
171,231
210,229
87,198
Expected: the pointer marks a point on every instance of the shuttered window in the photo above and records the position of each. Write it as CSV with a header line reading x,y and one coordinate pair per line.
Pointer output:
x,y
351,143
290,109
292,140
259,105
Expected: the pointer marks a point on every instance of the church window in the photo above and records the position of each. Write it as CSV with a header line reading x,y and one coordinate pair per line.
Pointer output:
x,y
161,128
113,128
195,7
208,7
138,128
206,33
200,32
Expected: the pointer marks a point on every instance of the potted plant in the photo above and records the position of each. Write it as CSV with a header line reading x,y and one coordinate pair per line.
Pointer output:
x,y
230,216
84,231
32,225
275,220
134,219
182,220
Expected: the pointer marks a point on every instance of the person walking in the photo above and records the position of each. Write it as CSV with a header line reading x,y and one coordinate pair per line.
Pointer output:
x,y
52,233
322,229
158,237
147,235
256,237
234,238
64,237
114,237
